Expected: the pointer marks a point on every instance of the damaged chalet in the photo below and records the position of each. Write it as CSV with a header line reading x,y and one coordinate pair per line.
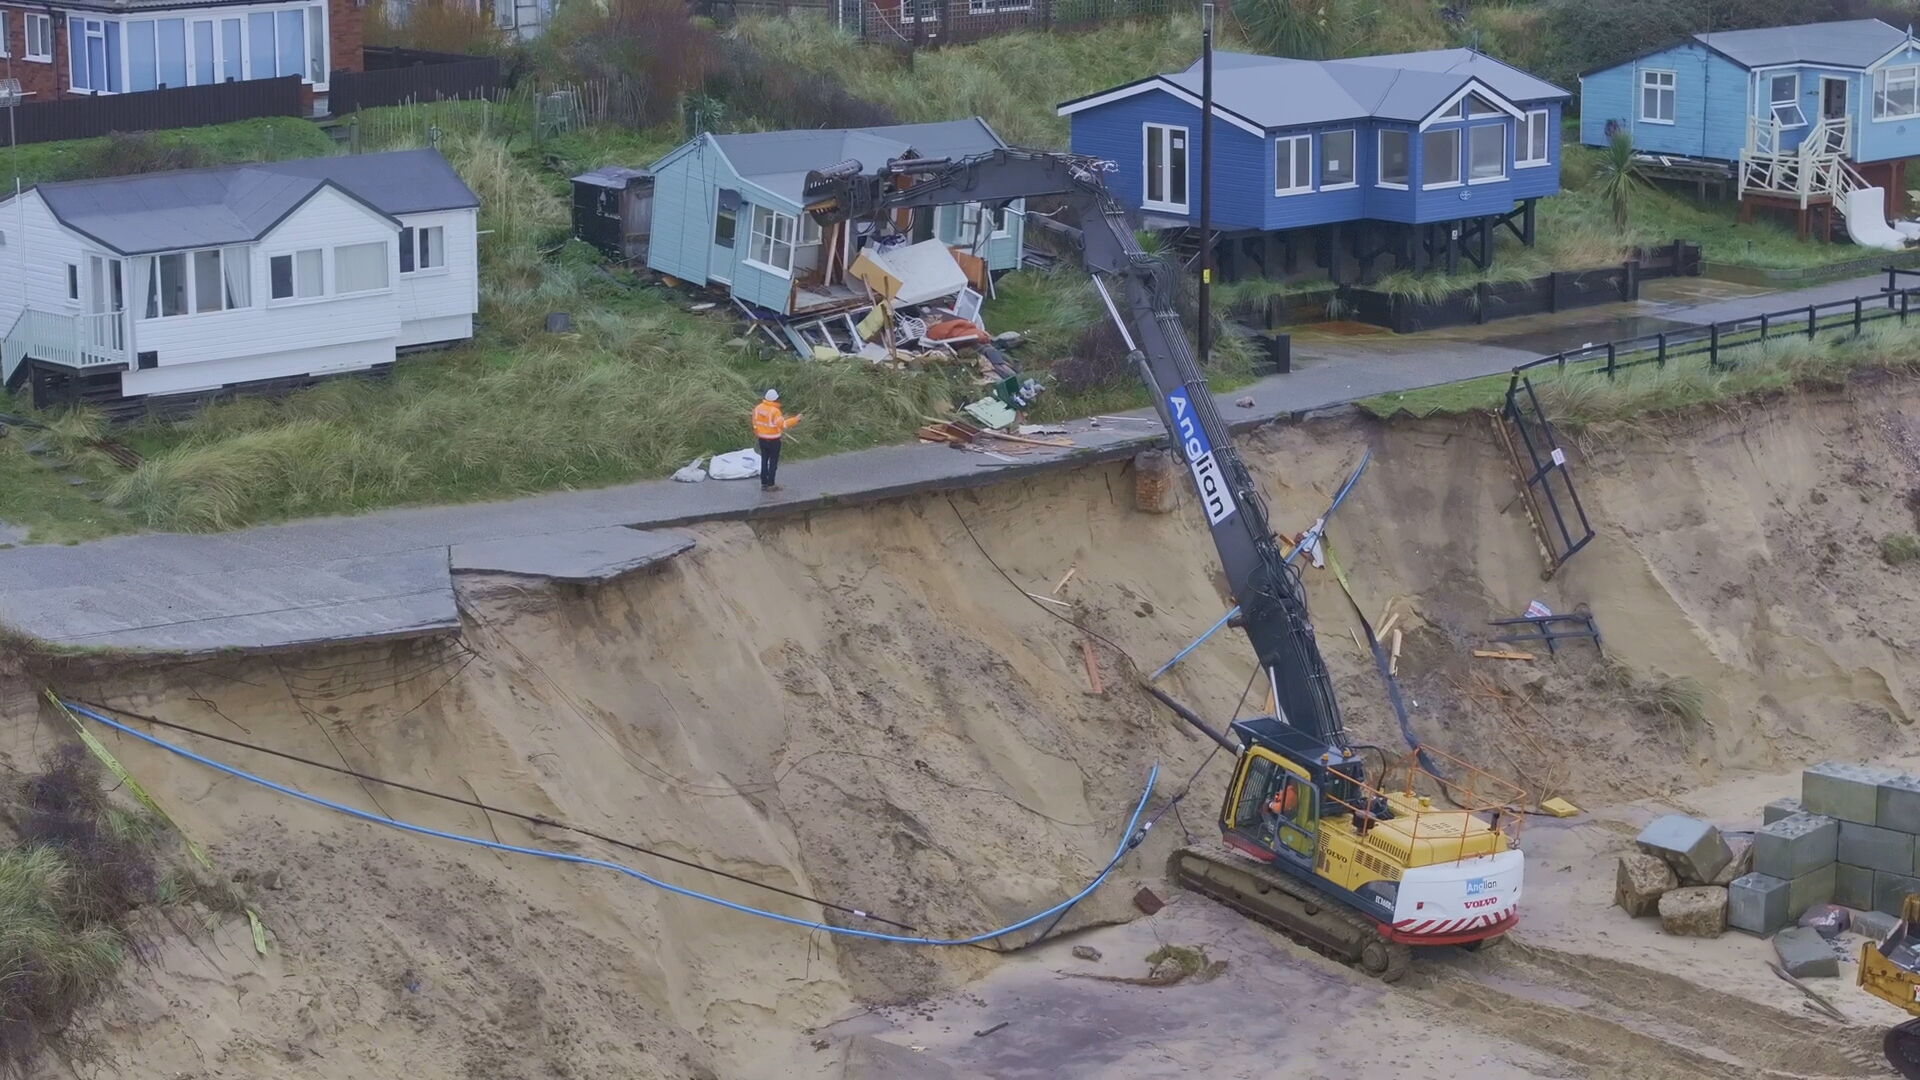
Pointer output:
x,y
728,214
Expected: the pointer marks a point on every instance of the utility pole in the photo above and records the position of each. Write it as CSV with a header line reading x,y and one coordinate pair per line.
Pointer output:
x,y
1206,182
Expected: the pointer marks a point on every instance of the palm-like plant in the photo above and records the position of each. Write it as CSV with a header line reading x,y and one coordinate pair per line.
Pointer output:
x,y
1617,176
1294,28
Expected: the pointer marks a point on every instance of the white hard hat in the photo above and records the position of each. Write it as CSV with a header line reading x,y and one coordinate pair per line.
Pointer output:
x,y
773,395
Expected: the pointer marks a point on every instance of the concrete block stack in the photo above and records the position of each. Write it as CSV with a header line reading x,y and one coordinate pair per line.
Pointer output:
x,y
1852,838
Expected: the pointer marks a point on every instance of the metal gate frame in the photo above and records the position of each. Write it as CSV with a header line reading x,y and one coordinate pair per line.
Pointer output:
x,y
1540,466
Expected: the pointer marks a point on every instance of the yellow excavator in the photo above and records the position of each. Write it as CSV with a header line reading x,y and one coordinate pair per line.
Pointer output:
x,y
1890,971
1364,864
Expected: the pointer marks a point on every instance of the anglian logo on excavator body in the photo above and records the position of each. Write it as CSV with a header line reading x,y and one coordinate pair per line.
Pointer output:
x,y
1198,451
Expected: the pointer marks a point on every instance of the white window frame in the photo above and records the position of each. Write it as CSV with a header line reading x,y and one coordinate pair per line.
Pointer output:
x,y
1908,74
6,40
915,11
1794,116
1467,109
1543,119
1380,159
1293,145
1505,157
1353,159
43,55
967,219
386,262
73,285
147,280
995,7
413,240
772,238
1166,131
1650,79
1459,167
90,30
295,299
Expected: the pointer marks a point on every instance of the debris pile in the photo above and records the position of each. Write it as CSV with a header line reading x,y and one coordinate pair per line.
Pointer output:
x,y
1680,872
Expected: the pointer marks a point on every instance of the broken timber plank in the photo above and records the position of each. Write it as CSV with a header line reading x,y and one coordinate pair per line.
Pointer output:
x,y
1501,654
1071,570
1393,664
1093,668
1385,627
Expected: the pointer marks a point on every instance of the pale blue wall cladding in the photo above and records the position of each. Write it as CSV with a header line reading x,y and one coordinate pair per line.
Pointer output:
x,y
1885,140
1245,169
686,192
1001,252
1811,81
1711,95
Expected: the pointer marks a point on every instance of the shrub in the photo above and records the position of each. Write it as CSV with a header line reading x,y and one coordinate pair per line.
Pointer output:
x,y
434,25
646,53
1297,28
1898,549
124,154
81,866
780,95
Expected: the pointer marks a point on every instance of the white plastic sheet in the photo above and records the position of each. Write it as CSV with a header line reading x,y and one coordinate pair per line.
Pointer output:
x,y
692,472
738,465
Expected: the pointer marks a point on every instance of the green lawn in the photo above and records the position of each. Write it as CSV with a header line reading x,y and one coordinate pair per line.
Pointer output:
x,y
277,138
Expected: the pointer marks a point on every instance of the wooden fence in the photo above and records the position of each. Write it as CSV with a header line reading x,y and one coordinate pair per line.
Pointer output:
x,y
1484,302
397,76
914,24
155,110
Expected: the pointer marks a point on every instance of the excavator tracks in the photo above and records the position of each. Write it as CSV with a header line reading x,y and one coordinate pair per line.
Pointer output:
x,y
1291,906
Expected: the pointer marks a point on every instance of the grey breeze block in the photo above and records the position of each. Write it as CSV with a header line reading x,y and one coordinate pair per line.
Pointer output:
x,y
1875,848
1853,886
1814,887
1841,790
1780,808
1898,804
1757,903
1889,890
1792,847
1692,847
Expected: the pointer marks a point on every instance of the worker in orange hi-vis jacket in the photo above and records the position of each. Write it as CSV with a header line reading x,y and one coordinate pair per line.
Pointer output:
x,y
769,427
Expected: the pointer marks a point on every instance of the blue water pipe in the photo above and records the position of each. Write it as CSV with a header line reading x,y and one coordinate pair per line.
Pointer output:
x,y
1127,840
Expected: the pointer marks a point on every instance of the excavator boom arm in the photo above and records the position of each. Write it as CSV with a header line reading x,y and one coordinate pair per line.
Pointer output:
x,y
1268,590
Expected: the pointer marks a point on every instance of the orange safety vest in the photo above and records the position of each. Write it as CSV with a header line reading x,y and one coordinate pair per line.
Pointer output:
x,y
769,422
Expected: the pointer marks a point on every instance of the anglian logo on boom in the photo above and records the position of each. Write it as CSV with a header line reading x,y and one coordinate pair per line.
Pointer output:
x,y
1199,454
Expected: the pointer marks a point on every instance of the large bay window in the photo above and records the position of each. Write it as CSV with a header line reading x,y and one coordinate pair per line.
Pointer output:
x,y
109,56
1896,93
1440,158
1486,153
195,282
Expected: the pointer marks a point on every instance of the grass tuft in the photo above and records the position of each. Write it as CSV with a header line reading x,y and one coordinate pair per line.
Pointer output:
x,y
1899,549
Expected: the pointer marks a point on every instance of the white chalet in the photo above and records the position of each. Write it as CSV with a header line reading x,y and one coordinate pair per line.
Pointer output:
x,y
204,279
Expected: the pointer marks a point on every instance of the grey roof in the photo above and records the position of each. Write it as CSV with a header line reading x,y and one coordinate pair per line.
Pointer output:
x,y
237,204
1279,92
780,160
612,176
1850,43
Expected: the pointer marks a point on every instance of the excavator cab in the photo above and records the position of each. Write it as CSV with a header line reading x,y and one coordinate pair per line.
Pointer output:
x,y
1284,783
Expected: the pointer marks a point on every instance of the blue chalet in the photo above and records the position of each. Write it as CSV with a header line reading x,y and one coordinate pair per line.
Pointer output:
x,y
1802,115
727,211
1361,165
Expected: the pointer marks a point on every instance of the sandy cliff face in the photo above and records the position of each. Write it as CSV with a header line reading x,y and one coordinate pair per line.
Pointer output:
x,y
858,706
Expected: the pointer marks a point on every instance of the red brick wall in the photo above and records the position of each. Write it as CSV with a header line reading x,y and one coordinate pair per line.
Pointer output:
x,y
46,82
344,21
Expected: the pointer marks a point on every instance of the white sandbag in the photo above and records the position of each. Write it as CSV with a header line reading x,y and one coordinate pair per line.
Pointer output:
x,y
692,472
739,465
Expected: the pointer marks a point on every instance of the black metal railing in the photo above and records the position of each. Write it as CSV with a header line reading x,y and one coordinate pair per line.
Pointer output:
x,y
1839,318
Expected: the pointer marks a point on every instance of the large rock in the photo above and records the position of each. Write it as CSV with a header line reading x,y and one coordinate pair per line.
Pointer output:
x,y
1694,849
1809,889
1757,903
1640,881
1699,911
1794,846
1740,865
1847,792
1804,953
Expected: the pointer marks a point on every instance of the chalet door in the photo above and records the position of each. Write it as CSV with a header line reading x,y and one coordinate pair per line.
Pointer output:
x,y
1833,98
106,301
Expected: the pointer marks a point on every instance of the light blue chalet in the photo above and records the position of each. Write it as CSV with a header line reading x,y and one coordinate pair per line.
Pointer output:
x,y
1353,165
727,212
1800,114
